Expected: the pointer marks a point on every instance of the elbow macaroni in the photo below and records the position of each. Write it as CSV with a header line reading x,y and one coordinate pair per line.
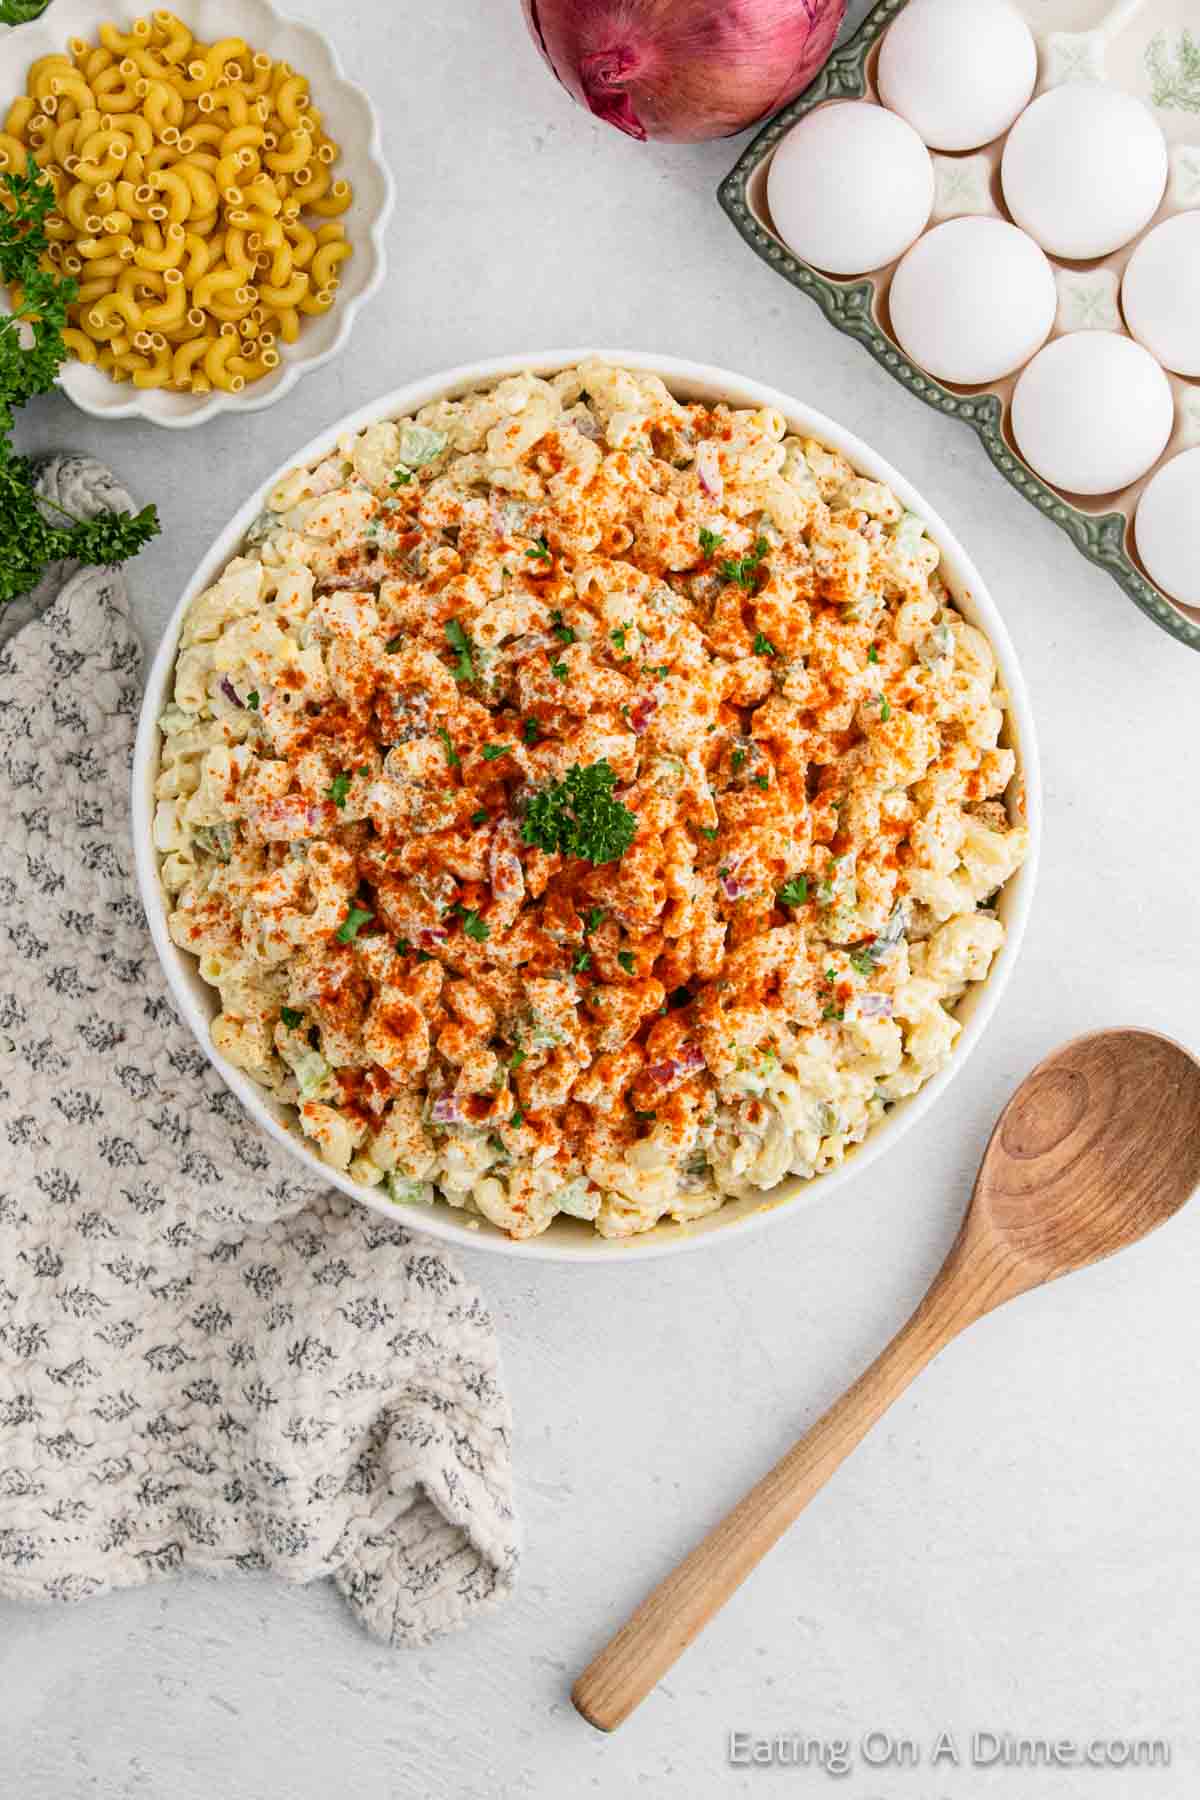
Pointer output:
x,y
180,174
446,615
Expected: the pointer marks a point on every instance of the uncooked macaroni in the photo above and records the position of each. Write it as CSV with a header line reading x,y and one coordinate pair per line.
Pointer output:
x,y
181,173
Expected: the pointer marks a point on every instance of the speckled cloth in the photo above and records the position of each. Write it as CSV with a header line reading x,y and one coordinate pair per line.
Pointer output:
x,y
205,1360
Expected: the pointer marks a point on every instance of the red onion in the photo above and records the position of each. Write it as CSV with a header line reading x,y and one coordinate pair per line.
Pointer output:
x,y
677,1068
684,70
641,713
432,937
446,1110
708,471
230,692
874,1006
734,887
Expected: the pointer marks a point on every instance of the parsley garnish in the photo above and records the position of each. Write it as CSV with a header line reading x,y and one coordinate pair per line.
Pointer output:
x,y
764,647
291,1018
458,640
560,669
401,476
760,781
710,542
744,569
252,699
885,711
561,631
595,918
394,644
452,756
651,1116
531,731
795,893
618,636
579,817
337,790
492,752
518,1118
350,927
402,946
517,1058
31,352
681,997
540,550
625,958
480,817
836,1013
473,925
710,832
872,655
737,760
582,960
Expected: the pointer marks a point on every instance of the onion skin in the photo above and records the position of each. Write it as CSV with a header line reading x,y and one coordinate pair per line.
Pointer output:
x,y
684,70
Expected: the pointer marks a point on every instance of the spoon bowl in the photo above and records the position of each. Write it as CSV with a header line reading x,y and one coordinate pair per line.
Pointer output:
x,y
1098,1147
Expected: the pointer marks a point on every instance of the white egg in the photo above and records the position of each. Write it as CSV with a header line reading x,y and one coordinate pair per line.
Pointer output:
x,y
1167,528
1161,293
1084,169
958,70
1092,412
850,187
973,300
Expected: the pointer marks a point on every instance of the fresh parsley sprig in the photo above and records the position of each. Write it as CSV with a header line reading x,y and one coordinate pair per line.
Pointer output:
x,y
578,816
35,531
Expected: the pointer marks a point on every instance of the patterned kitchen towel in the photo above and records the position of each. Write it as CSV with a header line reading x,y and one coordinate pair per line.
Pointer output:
x,y
206,1360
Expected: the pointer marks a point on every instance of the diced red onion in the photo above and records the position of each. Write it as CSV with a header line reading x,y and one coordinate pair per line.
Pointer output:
x,y
446,1110
231,693
874,1006
733,886
641,713
708,471
431,937
677,1068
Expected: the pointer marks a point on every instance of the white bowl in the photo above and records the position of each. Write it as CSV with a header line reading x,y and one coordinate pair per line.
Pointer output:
x,y
570,1240
350,120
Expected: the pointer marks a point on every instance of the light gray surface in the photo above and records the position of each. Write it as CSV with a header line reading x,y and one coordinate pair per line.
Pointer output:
x,y
1017,1547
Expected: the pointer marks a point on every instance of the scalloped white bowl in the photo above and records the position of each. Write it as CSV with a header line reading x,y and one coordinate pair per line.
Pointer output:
x,y
350,119
570,1240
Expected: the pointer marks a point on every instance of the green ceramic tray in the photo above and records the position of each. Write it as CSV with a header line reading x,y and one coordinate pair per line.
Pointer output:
x,y
851,306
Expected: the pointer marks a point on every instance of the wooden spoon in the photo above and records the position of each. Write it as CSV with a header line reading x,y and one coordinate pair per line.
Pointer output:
x,y
1097,1147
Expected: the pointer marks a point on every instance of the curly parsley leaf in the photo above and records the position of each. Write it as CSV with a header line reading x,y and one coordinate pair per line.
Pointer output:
x,y
710,542
338,788
291,1018
34,530
744,569
795,893
473,926
578,816
540,550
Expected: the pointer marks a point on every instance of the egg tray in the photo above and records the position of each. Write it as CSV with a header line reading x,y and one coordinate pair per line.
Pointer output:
x,y
1139,45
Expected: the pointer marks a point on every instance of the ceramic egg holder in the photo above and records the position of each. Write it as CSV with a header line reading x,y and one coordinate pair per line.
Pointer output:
x,y
1135,45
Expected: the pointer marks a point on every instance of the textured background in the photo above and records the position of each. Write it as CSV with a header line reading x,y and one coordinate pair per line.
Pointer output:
x,y
1017,1548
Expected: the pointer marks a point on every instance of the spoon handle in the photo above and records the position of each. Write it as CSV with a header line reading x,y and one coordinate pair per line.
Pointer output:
x,y
681,1606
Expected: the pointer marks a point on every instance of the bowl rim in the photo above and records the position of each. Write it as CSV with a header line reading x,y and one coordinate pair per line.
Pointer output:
x,y
41,37
442,1221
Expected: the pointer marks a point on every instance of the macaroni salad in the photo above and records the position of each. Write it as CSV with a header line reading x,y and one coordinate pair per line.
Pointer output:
x,y
585,802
